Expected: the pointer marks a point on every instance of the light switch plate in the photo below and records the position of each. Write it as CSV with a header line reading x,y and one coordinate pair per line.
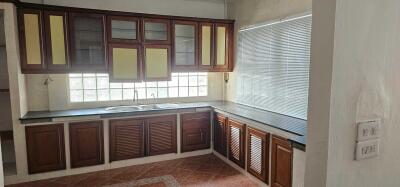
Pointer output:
x,y
367,149
368,130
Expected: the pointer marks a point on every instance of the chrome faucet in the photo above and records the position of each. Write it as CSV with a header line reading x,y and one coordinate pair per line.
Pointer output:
x,y
154,98
136,97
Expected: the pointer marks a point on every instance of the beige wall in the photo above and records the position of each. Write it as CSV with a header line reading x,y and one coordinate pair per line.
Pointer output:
x,y
251,12
365,85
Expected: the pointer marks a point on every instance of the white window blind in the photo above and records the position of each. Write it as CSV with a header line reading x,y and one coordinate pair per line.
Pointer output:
x,y
273,66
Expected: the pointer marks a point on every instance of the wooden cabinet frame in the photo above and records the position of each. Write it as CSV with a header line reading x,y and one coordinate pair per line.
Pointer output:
x,y
120,40
144,66
50,66
220,134
75,152
139,61
156,20
284,146
228,49
242,142
25,67
265,139
31,133
86,68
200,47
185,68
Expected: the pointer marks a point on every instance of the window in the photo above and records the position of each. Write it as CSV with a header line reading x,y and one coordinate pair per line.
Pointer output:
x,y
96,87
273,66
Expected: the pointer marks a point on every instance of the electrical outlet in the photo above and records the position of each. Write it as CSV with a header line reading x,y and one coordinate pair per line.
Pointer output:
x,y
368,130
367,149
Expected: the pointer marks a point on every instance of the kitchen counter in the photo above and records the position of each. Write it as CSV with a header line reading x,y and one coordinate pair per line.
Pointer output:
x,y
296,126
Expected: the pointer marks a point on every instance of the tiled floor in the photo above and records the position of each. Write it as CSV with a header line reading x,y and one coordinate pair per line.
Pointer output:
x,y
206,170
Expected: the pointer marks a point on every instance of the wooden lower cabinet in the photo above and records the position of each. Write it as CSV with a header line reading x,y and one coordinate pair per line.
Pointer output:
x,y
282,158
86,143
45,148
161,135
258,153
195,131
220,127
127,139
236,142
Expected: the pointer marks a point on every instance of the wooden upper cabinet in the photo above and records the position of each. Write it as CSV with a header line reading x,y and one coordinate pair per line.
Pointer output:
x,y
55,24
87,39
195,131
223,40
156,31
161,135
31,40
185,53
45,148
157,62
206,46
220,127
258,154
236,142
127,139
281,161
123,29
124,62
86,143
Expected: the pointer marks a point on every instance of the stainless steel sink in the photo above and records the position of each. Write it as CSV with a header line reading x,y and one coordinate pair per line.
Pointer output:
x,y
124,108
141,107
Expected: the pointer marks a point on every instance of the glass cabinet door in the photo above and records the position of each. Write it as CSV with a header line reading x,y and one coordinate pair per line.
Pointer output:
x,y
156,31
56,40
157,65
185,40
206,45
221,46
123,29
124,62
31,41
87,42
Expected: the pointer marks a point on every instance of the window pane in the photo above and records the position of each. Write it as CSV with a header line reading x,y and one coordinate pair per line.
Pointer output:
x,y
193,91
115,85
128,85
183,81
140,85
151,92
151,84
163,84
102,83
90,95
203,91
116,94
173,92
141,93
193,81
128,94
89,83
162,92
203,80
183,91
103,95
76,95
75,83
173,82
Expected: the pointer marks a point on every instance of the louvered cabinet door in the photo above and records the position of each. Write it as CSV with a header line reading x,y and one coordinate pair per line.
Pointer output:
x,y
195,131
282,157
161,135
258,153
236,142
86,143
126,139
220,134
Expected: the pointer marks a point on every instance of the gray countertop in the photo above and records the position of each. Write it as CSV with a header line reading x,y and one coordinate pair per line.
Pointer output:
x,y
289,124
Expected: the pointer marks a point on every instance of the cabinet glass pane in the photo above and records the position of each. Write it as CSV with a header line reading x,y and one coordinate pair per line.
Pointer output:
x,y
155,31
88,40
32,39
125,63
156,63
221,33
123,29
206,45
184,44
57,40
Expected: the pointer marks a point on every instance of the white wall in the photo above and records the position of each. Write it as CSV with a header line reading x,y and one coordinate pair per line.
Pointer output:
x,y
251,12
365,85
